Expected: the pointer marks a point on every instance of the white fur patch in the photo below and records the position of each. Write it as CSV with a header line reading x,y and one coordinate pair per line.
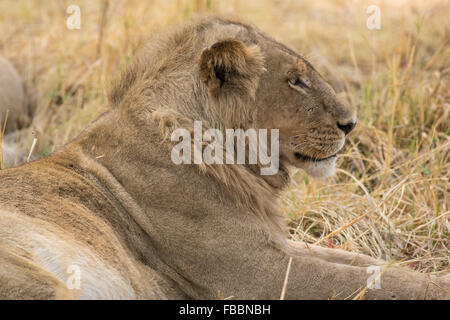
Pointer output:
x,y
60,255
320,169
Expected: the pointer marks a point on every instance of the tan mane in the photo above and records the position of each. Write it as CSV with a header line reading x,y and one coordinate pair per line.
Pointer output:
x,y
177,54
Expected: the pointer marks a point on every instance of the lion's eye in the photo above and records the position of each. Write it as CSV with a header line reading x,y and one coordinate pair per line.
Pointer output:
x,y
299,82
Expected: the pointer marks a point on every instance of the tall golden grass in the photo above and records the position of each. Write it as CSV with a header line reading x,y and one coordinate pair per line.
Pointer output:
x,y
390,197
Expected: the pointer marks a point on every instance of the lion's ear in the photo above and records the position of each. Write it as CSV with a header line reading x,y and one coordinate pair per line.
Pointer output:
x,y
230,66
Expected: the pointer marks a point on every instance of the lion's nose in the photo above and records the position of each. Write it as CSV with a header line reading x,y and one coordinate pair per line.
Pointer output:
x,y
346,127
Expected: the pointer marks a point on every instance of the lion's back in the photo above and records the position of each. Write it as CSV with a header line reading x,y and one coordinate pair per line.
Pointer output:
x,y
52,227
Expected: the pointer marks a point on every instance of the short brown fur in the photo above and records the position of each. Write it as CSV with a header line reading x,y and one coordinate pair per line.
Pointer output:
x,y
113,203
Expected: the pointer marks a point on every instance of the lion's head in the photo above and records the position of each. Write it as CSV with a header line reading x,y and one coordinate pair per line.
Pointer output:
x,y
231,75
286,92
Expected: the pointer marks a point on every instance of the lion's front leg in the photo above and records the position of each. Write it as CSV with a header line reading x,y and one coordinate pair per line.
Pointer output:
x,y
332,255
320,273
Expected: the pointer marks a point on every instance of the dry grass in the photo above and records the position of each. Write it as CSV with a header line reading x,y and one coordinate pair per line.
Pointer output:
x,y
390,198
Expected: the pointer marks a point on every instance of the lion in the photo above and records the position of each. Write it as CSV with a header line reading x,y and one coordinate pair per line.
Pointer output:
x,y
110,216
16,98
17,108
